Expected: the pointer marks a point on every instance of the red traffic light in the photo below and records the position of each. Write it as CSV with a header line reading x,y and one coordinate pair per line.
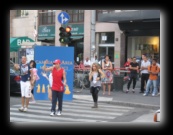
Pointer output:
x,y
68,29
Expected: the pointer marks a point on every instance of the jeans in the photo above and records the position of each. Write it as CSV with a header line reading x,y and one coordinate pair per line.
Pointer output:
x,y
57,95
149,83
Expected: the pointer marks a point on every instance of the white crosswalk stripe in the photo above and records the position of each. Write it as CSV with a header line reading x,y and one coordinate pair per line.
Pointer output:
x,y
75,111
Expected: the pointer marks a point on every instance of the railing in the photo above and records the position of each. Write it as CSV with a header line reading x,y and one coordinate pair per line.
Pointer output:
x,y
81,78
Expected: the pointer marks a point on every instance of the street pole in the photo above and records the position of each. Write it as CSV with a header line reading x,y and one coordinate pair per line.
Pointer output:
x,y
92,44
35,29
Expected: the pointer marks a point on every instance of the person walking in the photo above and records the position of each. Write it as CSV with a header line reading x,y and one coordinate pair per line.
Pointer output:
x,y
58,84
107,69
34,78
134,66
25,84
153,75
95,76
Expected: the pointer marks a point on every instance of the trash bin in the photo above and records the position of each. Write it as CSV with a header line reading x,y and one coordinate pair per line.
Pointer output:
x,y
118,82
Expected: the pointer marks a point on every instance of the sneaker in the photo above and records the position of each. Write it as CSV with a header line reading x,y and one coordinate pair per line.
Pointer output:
x,y
141,92
32,102
21,109
25,109
145,94
153,95
133,90
59,113
52,113
127,91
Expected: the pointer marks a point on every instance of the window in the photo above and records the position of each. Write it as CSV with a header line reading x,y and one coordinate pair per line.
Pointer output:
x,y
103,12
106,38
75,15
22,13
47,17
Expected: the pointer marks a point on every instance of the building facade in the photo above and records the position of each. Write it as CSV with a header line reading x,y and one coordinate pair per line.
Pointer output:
x,y
92,34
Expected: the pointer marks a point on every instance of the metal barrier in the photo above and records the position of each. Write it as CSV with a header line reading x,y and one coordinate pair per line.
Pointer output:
x,y
81,78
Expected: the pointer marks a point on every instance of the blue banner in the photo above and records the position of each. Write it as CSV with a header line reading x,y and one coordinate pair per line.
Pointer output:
x,y
51,53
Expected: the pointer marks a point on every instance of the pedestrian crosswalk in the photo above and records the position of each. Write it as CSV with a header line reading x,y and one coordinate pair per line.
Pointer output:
x,y
75,111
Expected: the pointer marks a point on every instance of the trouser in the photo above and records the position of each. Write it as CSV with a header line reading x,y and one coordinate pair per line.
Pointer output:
x,y
57,95
94,91
154,83
132,77
144,78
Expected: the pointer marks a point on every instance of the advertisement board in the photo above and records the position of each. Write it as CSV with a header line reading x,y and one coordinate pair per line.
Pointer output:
x,y
51,53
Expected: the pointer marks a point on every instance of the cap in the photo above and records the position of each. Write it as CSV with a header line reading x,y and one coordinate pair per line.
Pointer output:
x,y
57,61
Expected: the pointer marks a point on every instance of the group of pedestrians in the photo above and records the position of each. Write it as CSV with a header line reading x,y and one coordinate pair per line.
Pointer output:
x,y
100,75
150,75
29,76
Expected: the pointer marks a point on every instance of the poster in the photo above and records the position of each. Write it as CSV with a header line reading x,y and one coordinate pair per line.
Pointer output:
x,y
29,54
51,53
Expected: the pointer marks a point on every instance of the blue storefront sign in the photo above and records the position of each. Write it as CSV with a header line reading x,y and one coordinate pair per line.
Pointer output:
x,y
50,53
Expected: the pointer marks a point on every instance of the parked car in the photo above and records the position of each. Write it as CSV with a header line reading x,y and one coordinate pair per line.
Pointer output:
x,y
14,81
157,116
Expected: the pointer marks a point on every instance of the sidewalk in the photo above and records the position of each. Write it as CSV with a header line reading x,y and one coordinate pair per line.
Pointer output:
x,y
121,98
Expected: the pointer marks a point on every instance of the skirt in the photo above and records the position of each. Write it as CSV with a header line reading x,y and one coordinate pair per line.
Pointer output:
x,y
108,77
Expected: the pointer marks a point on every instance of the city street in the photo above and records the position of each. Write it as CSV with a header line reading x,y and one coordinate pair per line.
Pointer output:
x,y
79,111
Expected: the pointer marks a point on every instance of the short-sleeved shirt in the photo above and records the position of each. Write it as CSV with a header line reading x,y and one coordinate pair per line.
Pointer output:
x,y
25,72
153,68
132,71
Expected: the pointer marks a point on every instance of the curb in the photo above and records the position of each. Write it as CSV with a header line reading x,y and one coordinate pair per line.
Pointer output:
x,y
134,104
129,104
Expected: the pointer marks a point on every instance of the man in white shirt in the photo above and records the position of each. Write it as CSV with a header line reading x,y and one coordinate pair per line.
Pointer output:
x,y
87,62
144,72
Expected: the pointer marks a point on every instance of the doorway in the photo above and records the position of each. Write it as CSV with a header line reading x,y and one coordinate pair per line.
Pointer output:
x,y
106,50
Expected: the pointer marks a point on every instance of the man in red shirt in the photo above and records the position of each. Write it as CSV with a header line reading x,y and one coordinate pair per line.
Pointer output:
x,y
58,84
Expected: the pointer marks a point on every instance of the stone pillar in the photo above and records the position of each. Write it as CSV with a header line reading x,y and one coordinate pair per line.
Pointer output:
x,y
57,26
117,49
87,34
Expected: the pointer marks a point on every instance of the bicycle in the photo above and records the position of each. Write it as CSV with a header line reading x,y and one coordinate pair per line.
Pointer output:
x,y
81,81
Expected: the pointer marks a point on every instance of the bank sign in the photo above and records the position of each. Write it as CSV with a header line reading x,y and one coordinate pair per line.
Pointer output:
x,y
46,32
50,53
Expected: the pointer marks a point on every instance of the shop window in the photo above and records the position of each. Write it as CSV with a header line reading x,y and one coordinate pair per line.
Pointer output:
x,y
106,38
139,45
47,17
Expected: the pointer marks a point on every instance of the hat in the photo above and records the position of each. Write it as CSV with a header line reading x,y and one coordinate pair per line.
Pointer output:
x,y
57,61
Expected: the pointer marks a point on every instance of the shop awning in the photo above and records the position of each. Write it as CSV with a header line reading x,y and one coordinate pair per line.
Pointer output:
x,y
15,42
76,37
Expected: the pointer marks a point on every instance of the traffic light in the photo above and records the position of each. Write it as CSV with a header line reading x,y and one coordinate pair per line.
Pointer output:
x,y
65,34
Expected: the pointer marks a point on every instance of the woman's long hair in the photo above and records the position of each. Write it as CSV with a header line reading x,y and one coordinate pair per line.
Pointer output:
x,y
34,63
96,65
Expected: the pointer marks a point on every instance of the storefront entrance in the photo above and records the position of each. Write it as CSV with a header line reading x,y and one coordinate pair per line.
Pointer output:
x,y
106,50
